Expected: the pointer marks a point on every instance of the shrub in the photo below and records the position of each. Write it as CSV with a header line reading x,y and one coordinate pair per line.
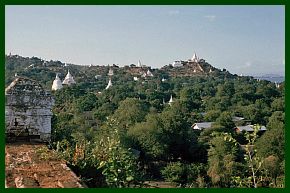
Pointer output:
x,y
175,172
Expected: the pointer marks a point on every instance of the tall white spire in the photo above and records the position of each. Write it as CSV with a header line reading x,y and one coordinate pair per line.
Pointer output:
x,y
56,85
171,100
194,58
139,64
68,79
109,84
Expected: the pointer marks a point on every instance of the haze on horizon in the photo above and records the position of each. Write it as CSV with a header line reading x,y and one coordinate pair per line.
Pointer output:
x,y
247,40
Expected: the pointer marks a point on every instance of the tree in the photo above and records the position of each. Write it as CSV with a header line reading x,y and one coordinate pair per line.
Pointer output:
x,y
273,141
212,115
145,136
222,157
278,104
177,134
127,117
86,103
118,165
225,120
105,110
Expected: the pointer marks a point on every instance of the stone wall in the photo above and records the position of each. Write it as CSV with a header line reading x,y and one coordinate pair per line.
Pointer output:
x,y
28,109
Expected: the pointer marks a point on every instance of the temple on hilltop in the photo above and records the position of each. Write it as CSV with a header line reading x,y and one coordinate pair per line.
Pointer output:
x,y
147,74
56,85
68,80
194,60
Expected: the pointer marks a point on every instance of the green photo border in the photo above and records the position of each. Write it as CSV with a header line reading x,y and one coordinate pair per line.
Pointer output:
x,y
3,3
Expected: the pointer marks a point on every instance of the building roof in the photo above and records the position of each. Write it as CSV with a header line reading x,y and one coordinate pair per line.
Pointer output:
x,y
250,128
202,125
24,85
234,118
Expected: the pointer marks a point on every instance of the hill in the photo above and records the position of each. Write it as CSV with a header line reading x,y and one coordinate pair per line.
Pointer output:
x,y
45,71
141,130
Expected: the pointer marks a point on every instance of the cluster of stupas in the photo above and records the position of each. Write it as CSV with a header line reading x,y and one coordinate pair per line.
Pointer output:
x,y
143,74
68,80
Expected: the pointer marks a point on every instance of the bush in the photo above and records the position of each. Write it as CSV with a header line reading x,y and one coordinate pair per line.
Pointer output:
x,y
175,172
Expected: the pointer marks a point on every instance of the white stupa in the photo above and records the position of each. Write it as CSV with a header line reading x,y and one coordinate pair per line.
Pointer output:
x,y
56,85
195,58
109,84
139,64
171,100
111,72
135,78
68,80
149,73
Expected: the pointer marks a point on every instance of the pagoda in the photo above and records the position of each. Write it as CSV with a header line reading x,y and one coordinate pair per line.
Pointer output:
x,y
56,85
68,80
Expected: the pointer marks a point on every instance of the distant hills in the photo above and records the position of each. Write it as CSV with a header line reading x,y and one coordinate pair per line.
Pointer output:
x,y
271,77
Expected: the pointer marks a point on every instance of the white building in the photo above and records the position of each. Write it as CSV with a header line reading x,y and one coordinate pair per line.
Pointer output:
x,y
171,100
139,64
68,80
195,58
111,72
177,63
109,84
149,73
56,85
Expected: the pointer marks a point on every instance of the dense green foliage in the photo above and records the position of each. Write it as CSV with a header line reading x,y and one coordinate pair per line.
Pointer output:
x,y
129,133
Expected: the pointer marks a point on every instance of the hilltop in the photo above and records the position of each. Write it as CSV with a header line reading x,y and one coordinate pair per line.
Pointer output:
x,y
45,71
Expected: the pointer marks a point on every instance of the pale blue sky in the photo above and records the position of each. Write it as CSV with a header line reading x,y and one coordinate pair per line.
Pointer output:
x,y
242,39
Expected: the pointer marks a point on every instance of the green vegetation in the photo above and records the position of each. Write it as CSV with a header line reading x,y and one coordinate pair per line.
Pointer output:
x,y
127,135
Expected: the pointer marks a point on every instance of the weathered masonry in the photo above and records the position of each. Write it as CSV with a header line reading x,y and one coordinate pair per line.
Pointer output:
x,y
27,110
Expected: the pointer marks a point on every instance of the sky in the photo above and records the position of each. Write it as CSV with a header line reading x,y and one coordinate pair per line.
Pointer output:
x,y
248,40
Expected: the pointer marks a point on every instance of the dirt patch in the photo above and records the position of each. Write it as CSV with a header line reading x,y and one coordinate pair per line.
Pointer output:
x,y
159,184
32,165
